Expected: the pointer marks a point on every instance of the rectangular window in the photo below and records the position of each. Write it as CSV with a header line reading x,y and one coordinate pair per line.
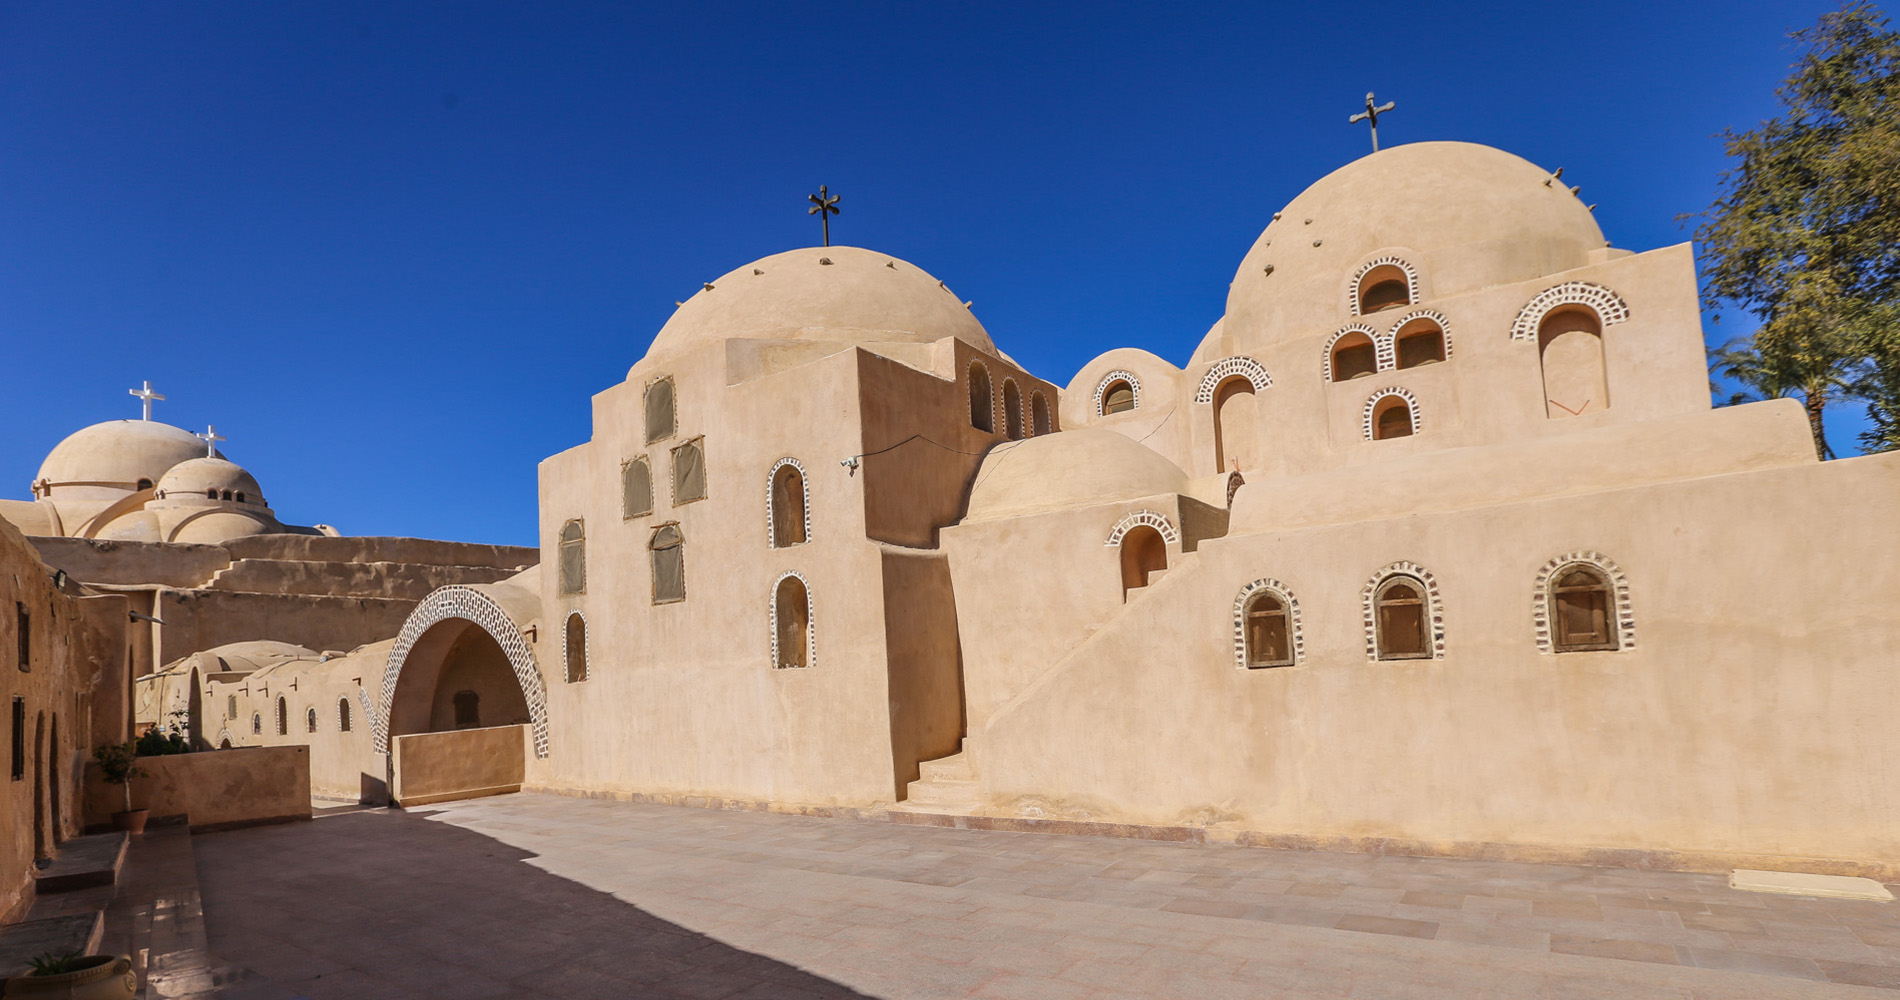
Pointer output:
x,y
659,407
25,623
636,488
689,471
19,738
573,552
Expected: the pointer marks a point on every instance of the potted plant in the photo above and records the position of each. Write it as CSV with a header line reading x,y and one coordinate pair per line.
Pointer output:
x,y
77,976
118,762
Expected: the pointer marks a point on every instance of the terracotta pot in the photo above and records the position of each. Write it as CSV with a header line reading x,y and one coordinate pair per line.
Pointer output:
x,y
132,820
108,978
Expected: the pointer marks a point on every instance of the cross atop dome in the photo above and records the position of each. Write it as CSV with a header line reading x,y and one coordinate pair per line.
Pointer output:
x,y
210,437
146,396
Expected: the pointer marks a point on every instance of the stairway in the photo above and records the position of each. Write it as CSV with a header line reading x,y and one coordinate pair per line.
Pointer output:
x,y
947,786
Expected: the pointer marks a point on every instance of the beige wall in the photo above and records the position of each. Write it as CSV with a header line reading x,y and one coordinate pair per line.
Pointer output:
x,y
464,764
214,788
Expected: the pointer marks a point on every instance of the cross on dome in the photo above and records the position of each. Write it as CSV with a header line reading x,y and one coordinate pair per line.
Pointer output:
x,y
210,437
1371,114
146,396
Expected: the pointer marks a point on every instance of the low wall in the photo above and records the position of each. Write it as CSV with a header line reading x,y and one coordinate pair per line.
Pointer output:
x,y
464,764
213,789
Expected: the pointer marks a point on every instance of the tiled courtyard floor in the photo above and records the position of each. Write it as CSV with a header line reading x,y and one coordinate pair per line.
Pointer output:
x,y
544,896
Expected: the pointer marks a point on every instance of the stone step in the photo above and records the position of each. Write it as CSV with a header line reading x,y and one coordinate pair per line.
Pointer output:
x,y
21,942
937,793
921,809
956,767
83,862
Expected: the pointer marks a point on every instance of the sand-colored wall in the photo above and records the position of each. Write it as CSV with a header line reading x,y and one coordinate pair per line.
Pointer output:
x,y
926,670
463,764
202,619
214,788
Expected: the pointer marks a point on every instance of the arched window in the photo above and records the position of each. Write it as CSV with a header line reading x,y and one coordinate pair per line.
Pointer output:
x,y
1400,614
257,724
689,471
1143,552
788,505
1386,286
1269,632
468,710
145,484
230,706
310,720
1392,418
659,409
227,495
238,496
1012,410
636,488
1234,424
1038,413
576,648
981,403
573,557
343,724
1354,356
1118,397
211,494
1583,610
668,548
1570,345
1420,342
283,716
791,622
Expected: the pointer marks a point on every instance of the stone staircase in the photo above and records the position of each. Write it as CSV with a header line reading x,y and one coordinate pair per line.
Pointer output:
x,y
70,899
947,786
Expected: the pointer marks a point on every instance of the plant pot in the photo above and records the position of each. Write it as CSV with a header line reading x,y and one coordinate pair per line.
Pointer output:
x,y
132,820
107,978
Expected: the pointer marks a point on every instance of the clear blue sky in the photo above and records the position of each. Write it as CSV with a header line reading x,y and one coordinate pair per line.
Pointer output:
x,y
391,250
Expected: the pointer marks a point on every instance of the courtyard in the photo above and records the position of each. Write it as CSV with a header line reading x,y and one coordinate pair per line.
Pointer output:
x,y
548,896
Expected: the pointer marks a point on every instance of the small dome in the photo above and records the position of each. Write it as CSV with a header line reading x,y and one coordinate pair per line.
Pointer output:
x,y
219,526
1471,216
201,477
105,460
1075,468
860,296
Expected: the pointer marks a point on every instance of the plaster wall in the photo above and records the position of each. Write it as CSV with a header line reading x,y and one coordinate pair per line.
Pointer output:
x,y
201,619
214,789
464,764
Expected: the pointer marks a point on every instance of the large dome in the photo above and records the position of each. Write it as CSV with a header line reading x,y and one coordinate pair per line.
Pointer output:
x,y
1467,216
1075,468
113,457
822,293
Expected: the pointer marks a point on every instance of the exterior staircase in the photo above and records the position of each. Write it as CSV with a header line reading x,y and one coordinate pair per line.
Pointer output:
x,y
947,786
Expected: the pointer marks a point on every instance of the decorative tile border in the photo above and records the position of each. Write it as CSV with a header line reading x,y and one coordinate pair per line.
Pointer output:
x,y
1609,306
1119,374
804,487
1619,586
1154,520
1411,280
468,604
811,620
1226,367
587,648
1392,335
1379,347
1292,605
1411,403
1434,606
370,716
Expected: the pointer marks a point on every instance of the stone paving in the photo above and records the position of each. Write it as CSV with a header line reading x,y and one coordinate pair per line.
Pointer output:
x,y
546,896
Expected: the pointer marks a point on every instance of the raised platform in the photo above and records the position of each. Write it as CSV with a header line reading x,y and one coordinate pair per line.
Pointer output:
x,y
82,863
20,942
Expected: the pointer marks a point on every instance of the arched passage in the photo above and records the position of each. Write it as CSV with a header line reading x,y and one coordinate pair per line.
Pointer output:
x,y
459,633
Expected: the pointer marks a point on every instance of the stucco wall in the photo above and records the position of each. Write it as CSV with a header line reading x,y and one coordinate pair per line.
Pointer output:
x,y
463,764
215,788
201,619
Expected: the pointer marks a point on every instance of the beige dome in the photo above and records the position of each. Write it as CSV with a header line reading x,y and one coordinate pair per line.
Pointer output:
x,y
199,476
218,526
110,458
1076,468
1466,216
860,296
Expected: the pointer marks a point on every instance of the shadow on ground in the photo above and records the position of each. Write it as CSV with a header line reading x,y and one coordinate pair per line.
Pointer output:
x,y
390,905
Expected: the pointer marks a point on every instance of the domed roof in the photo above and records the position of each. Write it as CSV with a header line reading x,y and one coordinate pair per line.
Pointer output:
x,y
201,475
1075,468
119,453
822,293
219,526
1470,216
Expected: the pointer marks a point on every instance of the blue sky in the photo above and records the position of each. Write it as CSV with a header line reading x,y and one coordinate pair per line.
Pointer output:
x,y
391,250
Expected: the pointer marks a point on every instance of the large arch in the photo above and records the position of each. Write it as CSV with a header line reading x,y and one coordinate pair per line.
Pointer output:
x,y
420,635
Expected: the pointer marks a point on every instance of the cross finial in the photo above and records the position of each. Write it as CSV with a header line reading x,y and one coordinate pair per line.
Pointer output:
x,y
210,437
824,205
1371,114
146,396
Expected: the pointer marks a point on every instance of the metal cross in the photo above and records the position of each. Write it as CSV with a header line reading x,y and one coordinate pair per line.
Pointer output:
x,y
1371,114
210,437
146,395
824,205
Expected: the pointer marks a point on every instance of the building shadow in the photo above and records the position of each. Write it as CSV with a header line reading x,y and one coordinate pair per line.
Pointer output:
x,y
391,905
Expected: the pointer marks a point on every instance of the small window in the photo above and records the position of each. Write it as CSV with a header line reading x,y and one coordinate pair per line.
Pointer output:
x,y
689,471
981,402
145,484
1012,410
1354,356
230,706
257,724
1038,414
576,648
211,494
1421,342
343,724
23,620
636,488
792,615
1119,397
1384,287
573,557
19,739
1400,616
1392,418
788,506
1581,615
468,710
1269,639
283,716
659,407
310,720
238,496
668,549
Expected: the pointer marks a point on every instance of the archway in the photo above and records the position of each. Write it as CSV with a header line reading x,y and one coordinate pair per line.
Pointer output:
x,y
423,650
1143,553
456,677
1234,429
